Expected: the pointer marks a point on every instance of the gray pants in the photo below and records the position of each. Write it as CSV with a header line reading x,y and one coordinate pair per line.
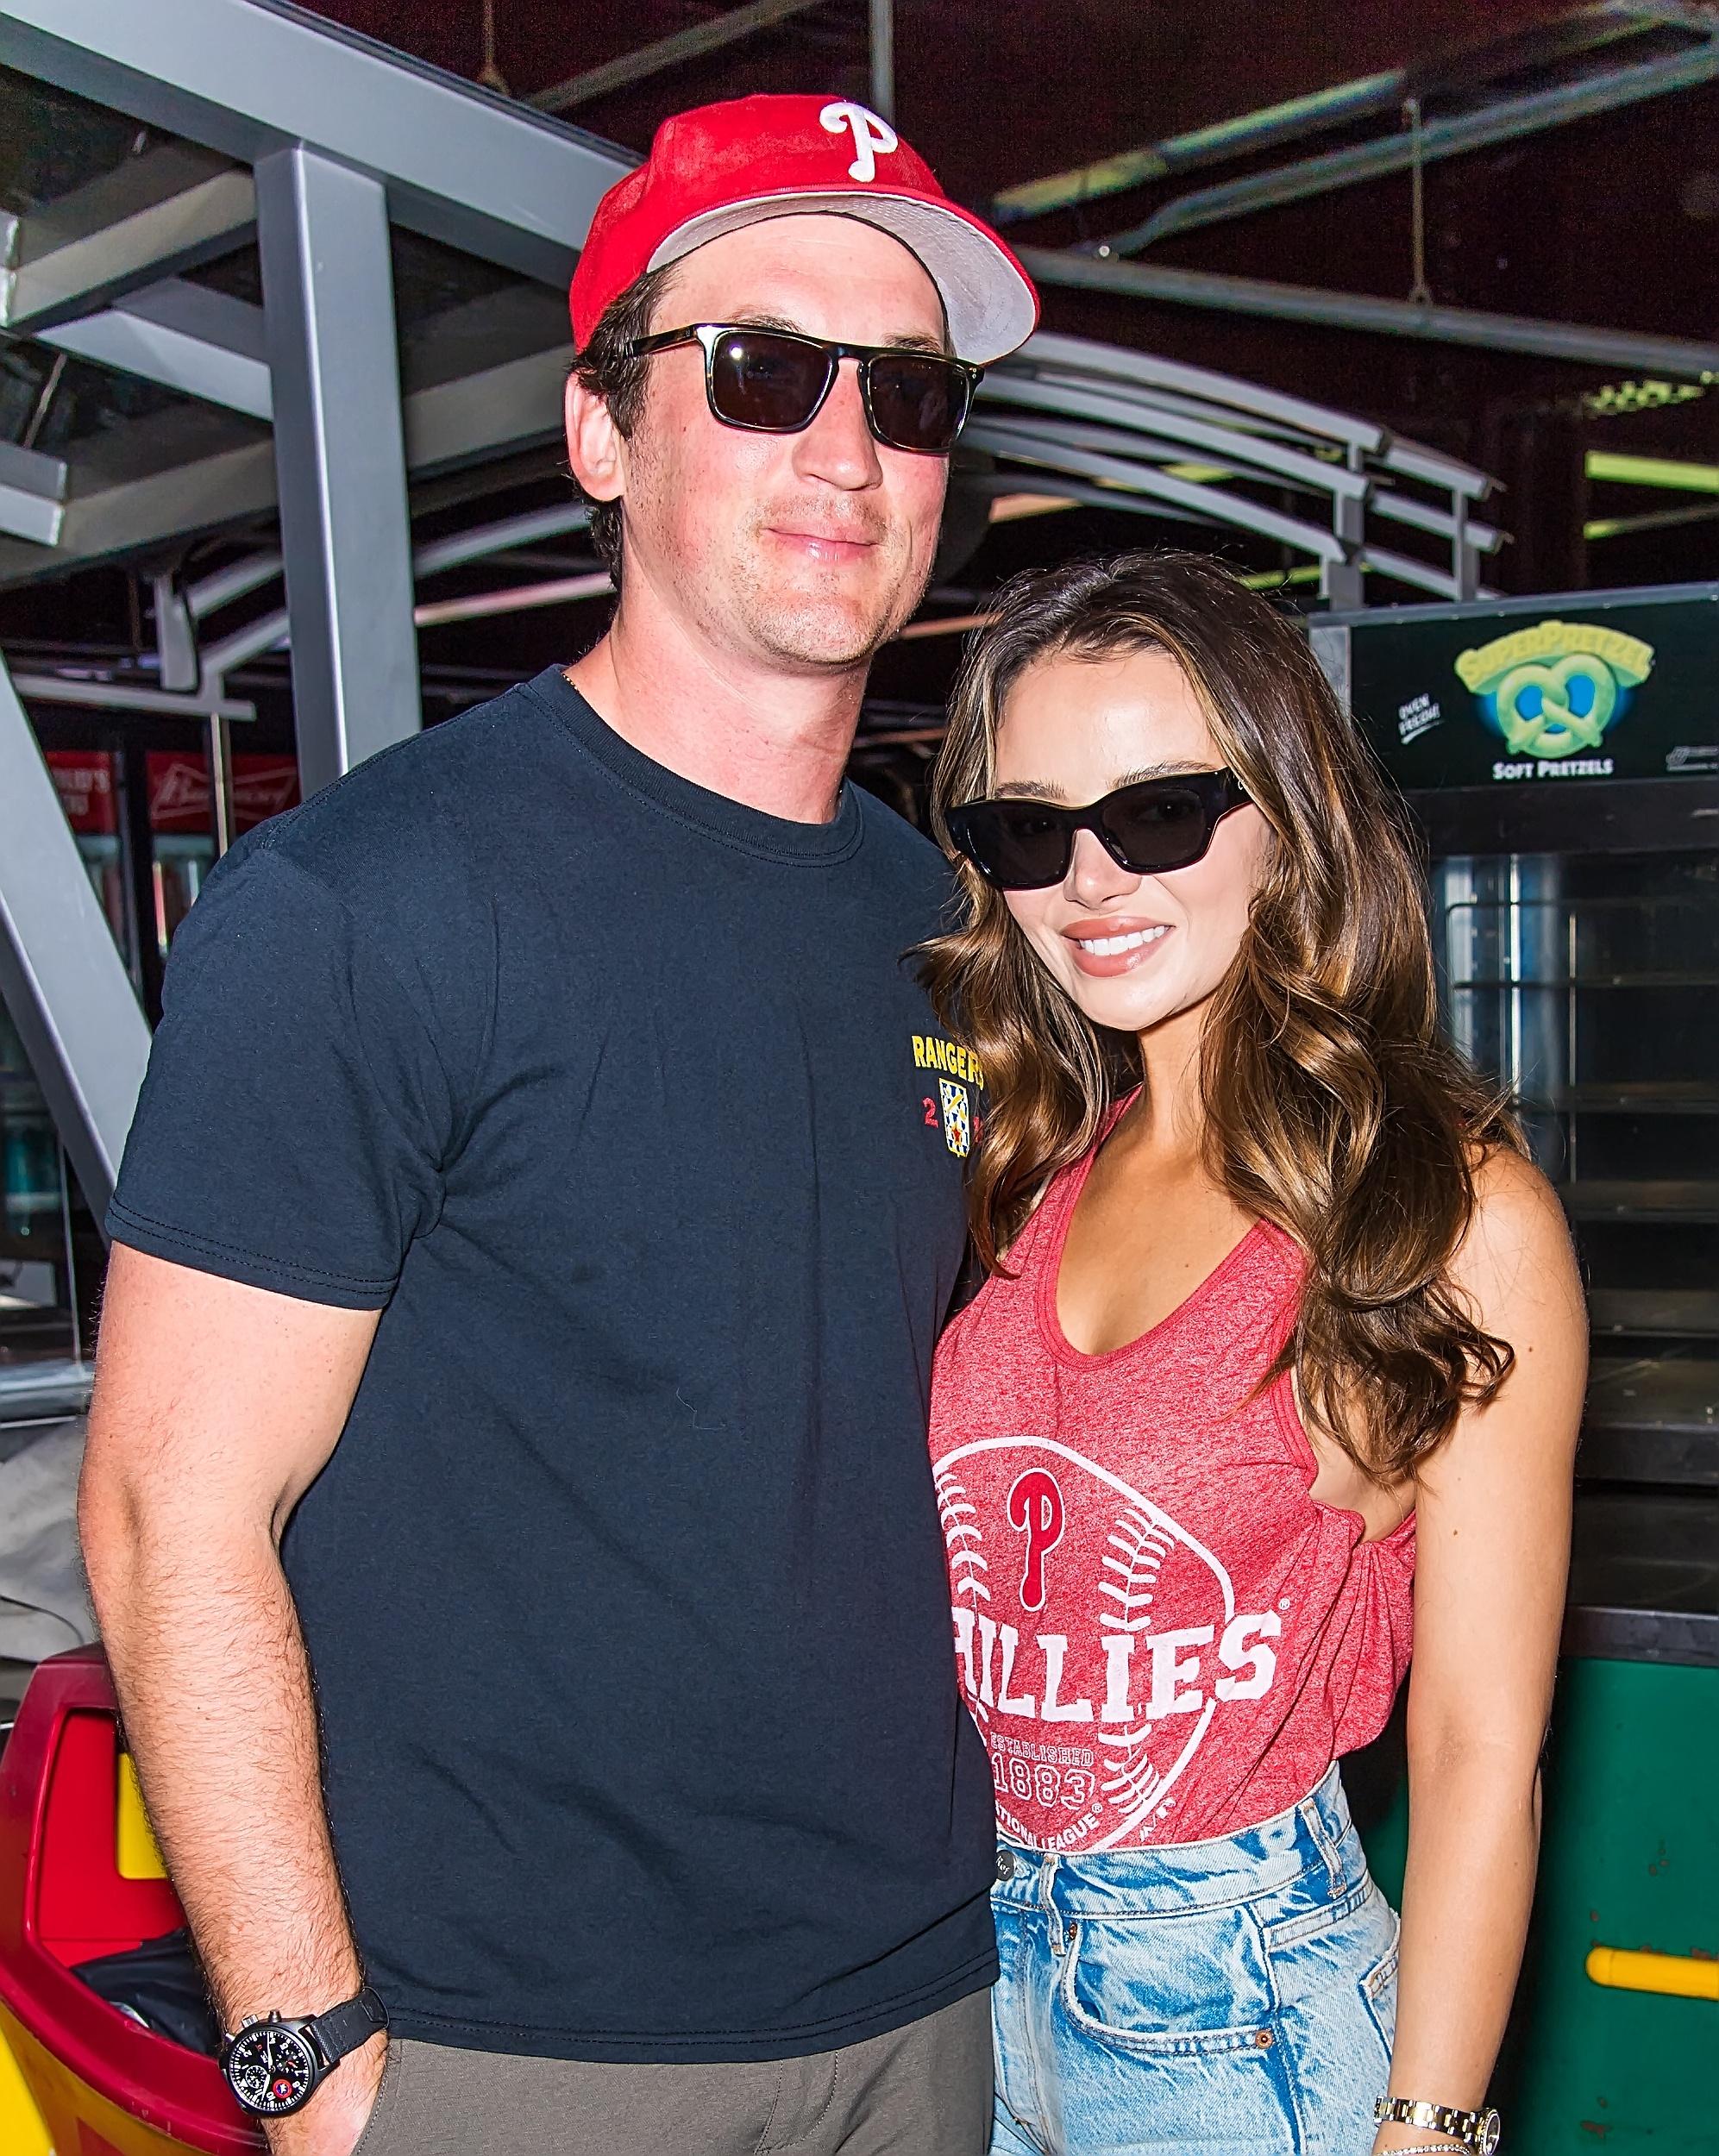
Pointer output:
x,y
923,2090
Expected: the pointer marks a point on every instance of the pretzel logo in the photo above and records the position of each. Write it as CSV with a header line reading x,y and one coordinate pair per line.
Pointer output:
x,y
1553,689
869,133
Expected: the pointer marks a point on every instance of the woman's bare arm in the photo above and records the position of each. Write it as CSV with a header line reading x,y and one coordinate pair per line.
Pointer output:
x,y
1491,1566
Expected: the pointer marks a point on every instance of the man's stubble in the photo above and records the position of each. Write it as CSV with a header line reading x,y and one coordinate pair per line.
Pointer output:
x,y
733,595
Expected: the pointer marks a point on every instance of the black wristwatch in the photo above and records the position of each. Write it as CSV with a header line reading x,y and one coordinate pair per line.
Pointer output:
x,y
273,2065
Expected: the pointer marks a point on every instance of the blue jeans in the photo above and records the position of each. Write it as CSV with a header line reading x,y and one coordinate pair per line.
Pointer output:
x,y
1237,1996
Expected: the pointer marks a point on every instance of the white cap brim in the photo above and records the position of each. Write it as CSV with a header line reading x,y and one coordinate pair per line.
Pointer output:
x,y
988,299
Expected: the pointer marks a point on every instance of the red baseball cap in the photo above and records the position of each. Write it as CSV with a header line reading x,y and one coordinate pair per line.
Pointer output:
x,y
721,166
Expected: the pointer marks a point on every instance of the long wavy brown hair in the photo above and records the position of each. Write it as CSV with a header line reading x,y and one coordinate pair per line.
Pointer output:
x,y
1334,1106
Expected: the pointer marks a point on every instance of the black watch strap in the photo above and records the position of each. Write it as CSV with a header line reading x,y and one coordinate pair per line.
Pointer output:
x,y
347,2026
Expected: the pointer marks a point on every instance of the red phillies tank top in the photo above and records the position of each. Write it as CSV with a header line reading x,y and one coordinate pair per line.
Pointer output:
x,y
1161,1635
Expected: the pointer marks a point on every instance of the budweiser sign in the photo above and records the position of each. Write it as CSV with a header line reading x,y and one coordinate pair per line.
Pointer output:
x,y
180,800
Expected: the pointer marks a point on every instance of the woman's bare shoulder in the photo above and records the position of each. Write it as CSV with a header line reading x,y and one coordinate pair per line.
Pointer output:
x,y
1517,1245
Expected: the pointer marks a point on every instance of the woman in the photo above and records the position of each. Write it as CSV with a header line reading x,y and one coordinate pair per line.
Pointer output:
x,y
1281,1330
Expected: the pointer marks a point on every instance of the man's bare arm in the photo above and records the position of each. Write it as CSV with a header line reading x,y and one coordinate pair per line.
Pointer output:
x,y
215,1407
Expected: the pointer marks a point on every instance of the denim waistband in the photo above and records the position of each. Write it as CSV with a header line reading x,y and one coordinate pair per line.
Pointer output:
x,y
1315,1837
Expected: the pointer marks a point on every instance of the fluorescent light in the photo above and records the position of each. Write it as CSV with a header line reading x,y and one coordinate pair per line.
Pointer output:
x,y
1275,579
1693,479
1659,520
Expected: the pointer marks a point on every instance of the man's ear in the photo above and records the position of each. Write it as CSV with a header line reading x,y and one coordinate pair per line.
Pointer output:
x,y
593,443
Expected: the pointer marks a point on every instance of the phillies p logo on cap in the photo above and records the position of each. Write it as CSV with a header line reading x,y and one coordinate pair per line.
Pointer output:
x,y
869,133
722,167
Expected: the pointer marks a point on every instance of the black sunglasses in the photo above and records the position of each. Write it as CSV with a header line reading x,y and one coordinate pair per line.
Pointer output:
x,y
1019,843
774,381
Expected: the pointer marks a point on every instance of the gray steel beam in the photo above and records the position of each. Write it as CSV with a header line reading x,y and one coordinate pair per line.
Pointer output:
x,y
1421,576
1629,350
1070,490
1060,450
168,209
219,491
1437,469
250,77
176,663
1079,355
1402,509
32,494
61,975
881,27
486,540
666,52
340,460
126,696
1229,443
203,343
515,405
1247,132
517,598
1505,122
470,420
210,594
224,586
273,632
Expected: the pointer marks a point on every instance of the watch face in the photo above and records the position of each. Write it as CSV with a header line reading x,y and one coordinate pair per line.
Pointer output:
x,y
270,2069
1491,2129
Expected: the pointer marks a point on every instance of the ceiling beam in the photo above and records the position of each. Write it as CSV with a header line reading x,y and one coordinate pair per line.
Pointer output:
x,y
516,598
1088,400
1507,121
666,52
166,211
128,696
1080,356
32,494
1335,106
457,549
203,343
473,419
1072,448
1629,350
248,77
1608,22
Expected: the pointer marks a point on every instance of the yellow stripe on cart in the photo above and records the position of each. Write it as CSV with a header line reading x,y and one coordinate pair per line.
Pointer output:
x,y
1675,1975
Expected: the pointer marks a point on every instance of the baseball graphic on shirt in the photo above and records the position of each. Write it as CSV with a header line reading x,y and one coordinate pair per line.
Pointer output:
x,y
1097,1639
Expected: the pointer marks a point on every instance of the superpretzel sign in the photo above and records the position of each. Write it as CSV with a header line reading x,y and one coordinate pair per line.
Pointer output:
x,y
1558,690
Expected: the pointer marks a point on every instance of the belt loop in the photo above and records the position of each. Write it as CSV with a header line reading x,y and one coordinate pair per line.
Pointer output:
x,y
1047,1896
1330,1851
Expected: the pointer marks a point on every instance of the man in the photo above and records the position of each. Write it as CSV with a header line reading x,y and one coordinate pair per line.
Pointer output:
x,y
527,1258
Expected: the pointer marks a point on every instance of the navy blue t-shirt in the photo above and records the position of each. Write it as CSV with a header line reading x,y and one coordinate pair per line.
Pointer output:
x,y
624,1587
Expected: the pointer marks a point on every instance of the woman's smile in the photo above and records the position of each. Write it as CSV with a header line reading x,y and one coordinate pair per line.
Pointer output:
x,y
1114,946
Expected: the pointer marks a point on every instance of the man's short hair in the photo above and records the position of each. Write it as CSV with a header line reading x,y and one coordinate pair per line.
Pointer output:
x,y
608,370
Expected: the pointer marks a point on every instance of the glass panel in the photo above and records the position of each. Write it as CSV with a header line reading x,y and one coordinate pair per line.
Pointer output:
x,y
40,1343
1587,982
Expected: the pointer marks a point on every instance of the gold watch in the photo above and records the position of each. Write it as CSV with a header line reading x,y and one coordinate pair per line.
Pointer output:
x,y
1478,2130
